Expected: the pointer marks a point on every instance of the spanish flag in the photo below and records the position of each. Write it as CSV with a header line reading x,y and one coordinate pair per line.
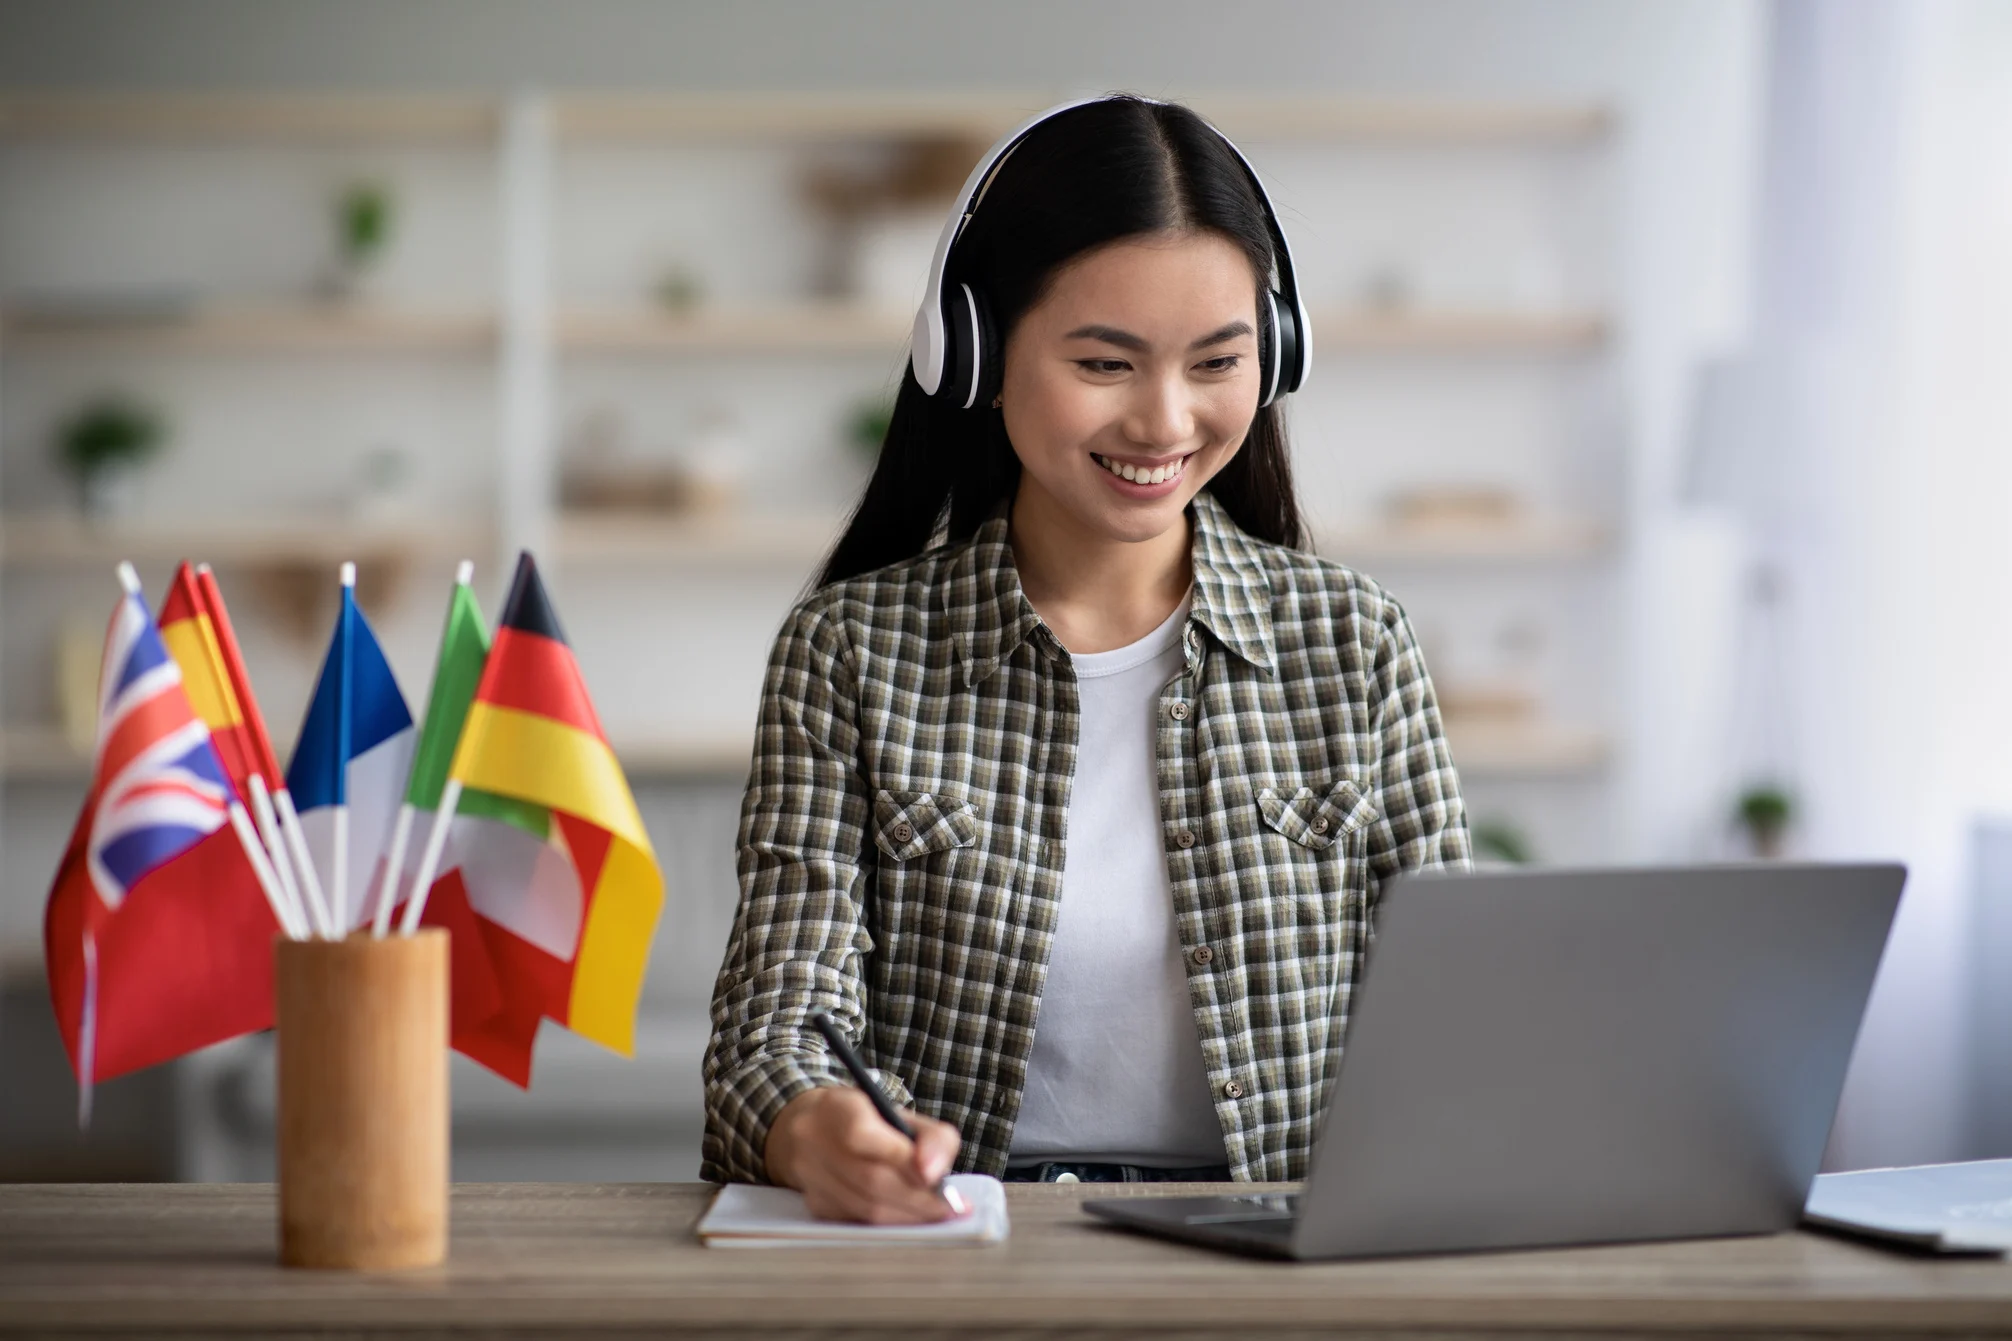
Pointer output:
x,y
193,639
574,943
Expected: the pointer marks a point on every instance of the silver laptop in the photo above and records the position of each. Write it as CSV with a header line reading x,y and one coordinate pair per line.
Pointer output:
x,y
1555,1057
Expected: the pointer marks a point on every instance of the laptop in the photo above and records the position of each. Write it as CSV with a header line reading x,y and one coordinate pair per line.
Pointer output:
x,y
1561,1057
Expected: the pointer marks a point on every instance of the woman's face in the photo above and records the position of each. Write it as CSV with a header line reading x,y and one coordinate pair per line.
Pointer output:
x,y
1134,380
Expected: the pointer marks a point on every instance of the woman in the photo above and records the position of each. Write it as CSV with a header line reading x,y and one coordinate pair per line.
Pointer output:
x,y
1075,820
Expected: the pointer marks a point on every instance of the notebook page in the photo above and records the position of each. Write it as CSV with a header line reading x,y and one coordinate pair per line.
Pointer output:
x,y
745,1216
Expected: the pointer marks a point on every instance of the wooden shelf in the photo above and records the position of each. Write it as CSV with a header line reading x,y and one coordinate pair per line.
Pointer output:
x,y
834,327
1496,749
251,328
1428,331
1523,541
985,116
778,537
842,328
332,118
49,539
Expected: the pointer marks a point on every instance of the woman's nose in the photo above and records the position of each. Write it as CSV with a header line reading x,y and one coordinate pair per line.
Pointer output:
x,y
1161,415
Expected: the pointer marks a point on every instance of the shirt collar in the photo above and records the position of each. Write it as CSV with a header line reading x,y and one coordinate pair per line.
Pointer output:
x,y
990,617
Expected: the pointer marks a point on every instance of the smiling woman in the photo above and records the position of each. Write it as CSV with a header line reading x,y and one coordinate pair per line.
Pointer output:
x,y
1076,780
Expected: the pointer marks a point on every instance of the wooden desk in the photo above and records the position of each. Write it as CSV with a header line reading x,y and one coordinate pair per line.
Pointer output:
x,y
574,1259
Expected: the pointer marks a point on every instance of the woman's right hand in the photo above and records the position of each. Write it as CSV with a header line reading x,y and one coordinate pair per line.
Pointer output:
x,y
830,1145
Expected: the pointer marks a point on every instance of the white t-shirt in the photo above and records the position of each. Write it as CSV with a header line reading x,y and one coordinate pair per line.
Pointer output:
x,y
1116,1072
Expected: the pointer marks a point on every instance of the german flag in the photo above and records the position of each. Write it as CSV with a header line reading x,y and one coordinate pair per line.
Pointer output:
x,y
572,942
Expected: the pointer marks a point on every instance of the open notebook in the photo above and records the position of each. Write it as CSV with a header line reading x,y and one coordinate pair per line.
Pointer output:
x,y
744,1216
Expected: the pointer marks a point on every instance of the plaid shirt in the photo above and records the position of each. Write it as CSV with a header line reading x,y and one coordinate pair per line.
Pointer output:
x,y
901,841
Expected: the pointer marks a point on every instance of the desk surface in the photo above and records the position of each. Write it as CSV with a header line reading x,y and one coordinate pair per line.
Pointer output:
x,y
560,1258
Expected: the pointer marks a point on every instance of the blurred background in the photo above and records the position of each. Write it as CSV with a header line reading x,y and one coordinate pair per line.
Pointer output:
x,y
1664,371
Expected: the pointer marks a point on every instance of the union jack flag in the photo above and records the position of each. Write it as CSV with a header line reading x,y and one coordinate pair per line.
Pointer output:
x,y
159,787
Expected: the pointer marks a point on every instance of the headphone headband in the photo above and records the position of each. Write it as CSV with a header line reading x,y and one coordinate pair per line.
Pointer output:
x,y
930,359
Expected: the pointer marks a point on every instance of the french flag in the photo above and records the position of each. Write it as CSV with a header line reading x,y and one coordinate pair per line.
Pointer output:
x,y
348,771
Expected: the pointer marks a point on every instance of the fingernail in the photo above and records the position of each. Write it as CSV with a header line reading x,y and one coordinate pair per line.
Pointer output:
x,y
956,1200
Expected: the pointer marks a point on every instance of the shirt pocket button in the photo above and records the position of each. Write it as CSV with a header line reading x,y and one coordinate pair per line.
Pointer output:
x,y
904,832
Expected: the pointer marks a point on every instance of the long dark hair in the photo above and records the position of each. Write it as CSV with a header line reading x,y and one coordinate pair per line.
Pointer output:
x,y
1111,169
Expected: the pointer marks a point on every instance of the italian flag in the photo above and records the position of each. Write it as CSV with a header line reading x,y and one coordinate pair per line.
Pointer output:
x,y
545,877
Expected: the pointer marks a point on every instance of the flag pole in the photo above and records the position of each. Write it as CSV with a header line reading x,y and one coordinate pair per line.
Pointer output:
x,y
338,894
262,868
429,861
401,833
272,804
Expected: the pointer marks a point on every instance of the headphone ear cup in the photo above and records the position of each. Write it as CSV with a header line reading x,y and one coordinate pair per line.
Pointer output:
x,y
1290,342
1268,364
989,364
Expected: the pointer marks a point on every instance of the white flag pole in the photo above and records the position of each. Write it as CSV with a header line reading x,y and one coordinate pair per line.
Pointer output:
x,y
387,888
303,860
275,846
429,861
338,892
262,868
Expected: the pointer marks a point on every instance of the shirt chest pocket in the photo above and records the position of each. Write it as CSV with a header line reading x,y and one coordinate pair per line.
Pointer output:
x,y
1316,818
910,825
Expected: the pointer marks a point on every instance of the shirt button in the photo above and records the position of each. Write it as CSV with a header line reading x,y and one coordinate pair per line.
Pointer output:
x,y
904,832
1178,711
1201,954
1232,1090
1185,838
1319,824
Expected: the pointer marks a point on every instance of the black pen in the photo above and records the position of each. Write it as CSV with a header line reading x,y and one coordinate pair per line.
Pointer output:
x,y
863,1078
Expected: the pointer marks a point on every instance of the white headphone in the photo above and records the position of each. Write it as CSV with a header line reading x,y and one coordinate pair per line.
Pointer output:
x,y
954,353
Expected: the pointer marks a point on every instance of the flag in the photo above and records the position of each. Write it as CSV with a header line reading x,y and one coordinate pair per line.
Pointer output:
x,y
158,933
568,889
350,764
191,637
492,846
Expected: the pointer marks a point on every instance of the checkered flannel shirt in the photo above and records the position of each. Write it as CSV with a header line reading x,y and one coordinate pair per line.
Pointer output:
x,y
901,840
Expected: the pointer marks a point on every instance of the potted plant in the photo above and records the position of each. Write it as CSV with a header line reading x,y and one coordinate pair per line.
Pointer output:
x,y
1765,811
102,447
364,212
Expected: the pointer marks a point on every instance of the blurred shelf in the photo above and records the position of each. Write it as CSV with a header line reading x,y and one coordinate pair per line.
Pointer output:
x,y
1499,749
340,118
1529,540
48,539
1456,330
694,758
837,327
985,116
332,118
779,537
845,328
40,754
295,328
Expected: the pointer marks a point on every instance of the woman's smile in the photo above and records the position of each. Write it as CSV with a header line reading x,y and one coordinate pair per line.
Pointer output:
x,y
1136,478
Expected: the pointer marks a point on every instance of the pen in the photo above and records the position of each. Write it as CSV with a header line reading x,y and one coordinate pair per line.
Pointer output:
x,y
863,1078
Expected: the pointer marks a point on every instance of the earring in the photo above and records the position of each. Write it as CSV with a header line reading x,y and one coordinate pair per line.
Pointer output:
x,y
999,401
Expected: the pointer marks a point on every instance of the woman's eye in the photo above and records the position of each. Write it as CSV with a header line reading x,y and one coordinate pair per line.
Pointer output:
x,y
1222,364
1103,365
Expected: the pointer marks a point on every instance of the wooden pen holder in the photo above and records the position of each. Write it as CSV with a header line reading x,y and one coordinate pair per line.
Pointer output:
x,y
362,1100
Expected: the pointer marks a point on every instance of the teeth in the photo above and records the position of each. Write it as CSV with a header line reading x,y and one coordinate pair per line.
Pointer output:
x,y
1125,470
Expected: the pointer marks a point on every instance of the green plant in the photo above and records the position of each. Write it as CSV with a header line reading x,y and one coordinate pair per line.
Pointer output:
x,y
866,427
1766,810
107,433
1495,840
363,221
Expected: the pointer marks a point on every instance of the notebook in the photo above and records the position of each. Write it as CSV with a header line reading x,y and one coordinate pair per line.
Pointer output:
x,y
746,1216
1944,1208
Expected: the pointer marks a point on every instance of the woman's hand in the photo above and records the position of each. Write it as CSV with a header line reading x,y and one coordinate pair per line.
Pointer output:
x,y
832,1146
